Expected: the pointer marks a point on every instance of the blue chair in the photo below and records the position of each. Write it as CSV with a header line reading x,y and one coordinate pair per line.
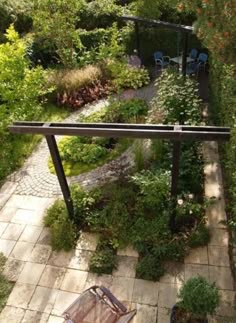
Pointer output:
x,y
193,53
195,67
161,60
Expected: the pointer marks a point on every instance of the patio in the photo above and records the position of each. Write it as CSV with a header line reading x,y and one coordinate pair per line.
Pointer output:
x,y
48,281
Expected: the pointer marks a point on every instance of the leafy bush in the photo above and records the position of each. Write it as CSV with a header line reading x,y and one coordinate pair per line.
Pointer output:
x,y
149,268
104,260
127,77
63,230
200,237
199,297
177,100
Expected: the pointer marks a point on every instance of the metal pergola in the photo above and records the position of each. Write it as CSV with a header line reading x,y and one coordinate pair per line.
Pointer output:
x,y
185,30
174,133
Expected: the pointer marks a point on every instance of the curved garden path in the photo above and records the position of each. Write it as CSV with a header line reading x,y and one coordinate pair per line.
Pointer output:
x,y
35,179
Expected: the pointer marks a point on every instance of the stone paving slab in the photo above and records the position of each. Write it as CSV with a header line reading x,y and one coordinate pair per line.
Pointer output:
x,y
31,273
145,292
21,295
35,317
12,314
63,301
13,268
43,299
52,277
74,281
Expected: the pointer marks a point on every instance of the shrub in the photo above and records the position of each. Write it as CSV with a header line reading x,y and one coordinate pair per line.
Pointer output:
x,y
177,100
104,260
63,230
127,77
149,268
199,297
200,237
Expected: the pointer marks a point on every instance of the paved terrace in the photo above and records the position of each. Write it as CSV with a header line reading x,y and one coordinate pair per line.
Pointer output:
x,y
46,282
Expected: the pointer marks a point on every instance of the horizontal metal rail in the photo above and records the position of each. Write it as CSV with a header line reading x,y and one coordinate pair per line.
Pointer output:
x,y
171,132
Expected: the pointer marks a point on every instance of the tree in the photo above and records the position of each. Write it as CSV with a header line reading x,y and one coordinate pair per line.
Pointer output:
x,y
55,21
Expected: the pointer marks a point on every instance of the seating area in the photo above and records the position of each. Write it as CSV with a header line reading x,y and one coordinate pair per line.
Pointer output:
x,y
196,61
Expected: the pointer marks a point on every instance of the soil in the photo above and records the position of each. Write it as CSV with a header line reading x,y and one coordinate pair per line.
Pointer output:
x,y
181,316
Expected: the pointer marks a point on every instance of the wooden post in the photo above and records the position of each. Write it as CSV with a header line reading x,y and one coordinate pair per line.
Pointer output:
x,y
52,145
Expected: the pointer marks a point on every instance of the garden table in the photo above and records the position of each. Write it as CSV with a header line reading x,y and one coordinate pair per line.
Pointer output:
x,y
178,60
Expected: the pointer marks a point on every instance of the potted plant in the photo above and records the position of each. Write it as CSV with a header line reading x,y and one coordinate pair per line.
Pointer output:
x,y
198,298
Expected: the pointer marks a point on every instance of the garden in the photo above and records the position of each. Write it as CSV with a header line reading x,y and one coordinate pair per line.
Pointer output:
x,y
60,59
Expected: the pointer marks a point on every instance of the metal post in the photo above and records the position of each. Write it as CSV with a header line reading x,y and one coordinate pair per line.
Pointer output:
x,y
137,38
52,145
185,54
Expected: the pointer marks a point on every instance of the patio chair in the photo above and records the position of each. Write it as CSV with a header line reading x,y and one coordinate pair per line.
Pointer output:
x,y
97,305
195,67
161,60
193,53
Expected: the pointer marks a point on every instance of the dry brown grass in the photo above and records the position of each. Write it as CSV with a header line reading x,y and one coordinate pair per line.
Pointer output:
x,y
71,80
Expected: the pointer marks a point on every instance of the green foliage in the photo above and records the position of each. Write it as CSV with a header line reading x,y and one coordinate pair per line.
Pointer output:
x,y
177,100
20,89
55,23
200,236
5,285
149,268
126,76
199,297
63,230
104,260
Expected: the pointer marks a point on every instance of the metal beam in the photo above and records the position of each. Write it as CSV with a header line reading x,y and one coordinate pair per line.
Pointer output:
x,y
185,54
123,130
52,145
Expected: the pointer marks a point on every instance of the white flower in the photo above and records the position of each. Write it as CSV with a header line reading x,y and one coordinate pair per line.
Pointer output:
x,y
180,202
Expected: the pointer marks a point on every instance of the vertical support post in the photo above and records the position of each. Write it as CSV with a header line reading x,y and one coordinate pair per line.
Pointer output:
x,y
52,145
185,54
137,38
174,182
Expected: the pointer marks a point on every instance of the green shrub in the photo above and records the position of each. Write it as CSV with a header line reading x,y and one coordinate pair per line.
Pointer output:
x,y
127,77
63,230
104,260
200,237
177,100
199,297
149,268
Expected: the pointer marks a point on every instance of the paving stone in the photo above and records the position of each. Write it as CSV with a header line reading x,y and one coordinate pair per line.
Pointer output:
x,y
216,214
6,246
23,216
174,273
87,241
219,237
45,237
13,231
3,199
21,295
61,258
13,268
99,280
80,260
18,201
74,281
167,295
7,213
227,303
52,277
145,313
31,273
122,288
35,317
194,270
43,299
197,256
163,315
3,226
222,276
8,187
55,319
31,233
22,250
218,256
145,292
128,251
40,254
213,180
63,301
126,267
11,314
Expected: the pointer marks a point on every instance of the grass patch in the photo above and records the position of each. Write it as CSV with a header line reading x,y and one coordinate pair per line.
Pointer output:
x,y
5,285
